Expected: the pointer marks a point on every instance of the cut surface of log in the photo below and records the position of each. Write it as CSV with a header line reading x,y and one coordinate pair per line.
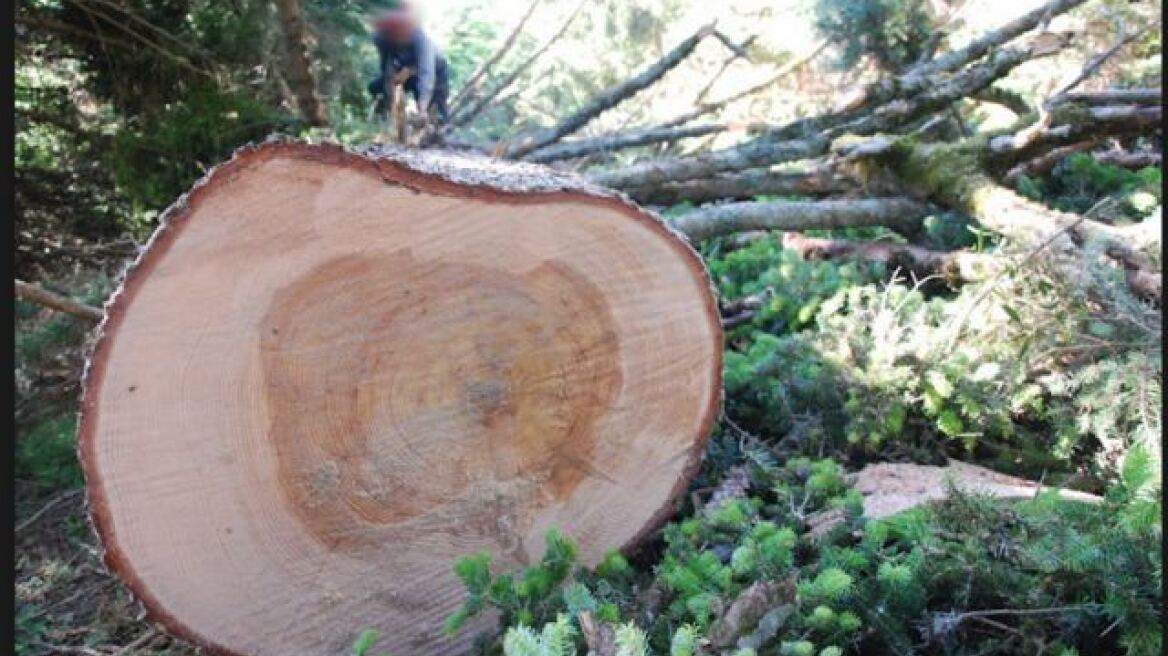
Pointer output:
x,y
333,373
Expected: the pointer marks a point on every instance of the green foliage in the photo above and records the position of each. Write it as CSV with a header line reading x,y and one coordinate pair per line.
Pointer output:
x,y
795,287
537,594
888,367
1067,574
555,639
364,642
159,156
30,630
891,32
1080,182
46,455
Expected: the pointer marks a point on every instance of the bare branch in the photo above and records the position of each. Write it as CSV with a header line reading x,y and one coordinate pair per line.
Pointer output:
x,y
475,80
612,97
54,301
483,103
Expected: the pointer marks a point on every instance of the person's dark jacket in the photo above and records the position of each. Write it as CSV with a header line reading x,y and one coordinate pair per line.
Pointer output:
x,y
430,82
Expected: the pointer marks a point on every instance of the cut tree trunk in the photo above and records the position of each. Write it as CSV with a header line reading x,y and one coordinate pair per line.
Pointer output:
x,y
333,373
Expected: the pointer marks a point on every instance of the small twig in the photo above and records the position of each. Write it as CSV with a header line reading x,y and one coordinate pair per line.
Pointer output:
x,y
141,641
1095,63
32,519
996,612
993,283
70,650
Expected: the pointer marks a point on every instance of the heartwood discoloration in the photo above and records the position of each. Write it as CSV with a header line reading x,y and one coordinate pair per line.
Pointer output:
x,y
394,385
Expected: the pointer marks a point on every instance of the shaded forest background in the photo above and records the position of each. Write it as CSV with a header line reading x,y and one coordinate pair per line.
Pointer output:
x,y
845,346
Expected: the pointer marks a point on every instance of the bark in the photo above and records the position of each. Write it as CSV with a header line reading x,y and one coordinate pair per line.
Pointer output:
x,y
745,185
54,301
753,154
1129,160
920,77
1114,97
485,101
954,267
747,610
1011,100
901,214
617,141
612,97
473,83
599,636
300,75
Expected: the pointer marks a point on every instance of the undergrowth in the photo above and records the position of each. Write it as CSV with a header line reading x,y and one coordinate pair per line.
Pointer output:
x,y
965,576
843,364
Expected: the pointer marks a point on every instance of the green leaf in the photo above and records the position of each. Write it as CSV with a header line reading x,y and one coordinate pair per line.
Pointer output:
x,y
949,423
364,642
939,383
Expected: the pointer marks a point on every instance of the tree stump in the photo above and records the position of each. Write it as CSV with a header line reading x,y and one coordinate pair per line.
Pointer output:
x,y
331,373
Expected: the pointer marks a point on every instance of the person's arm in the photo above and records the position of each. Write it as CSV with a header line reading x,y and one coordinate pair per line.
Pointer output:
x,y
383,63
427,63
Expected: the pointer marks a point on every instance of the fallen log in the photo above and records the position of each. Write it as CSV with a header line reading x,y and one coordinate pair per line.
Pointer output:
x,y
745,185
393,361
620,140
921,76
611,98
715,220
955,267
953,174
1113,97
753,154
780,144
1129,160
1070,124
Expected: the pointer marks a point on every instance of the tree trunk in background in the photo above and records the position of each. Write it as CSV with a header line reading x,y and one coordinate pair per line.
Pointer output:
x,y
300,75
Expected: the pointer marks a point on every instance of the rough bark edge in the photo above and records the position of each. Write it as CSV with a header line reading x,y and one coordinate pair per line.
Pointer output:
x,y
434,172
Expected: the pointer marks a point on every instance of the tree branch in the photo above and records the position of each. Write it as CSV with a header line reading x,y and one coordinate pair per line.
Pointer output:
x,y
612,97
716,220
54,301
474,81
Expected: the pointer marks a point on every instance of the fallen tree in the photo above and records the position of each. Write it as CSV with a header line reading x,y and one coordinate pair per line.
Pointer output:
x,y
361,400
901,213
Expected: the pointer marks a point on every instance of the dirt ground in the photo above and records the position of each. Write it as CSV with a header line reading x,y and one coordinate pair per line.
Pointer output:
x,y
66,602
